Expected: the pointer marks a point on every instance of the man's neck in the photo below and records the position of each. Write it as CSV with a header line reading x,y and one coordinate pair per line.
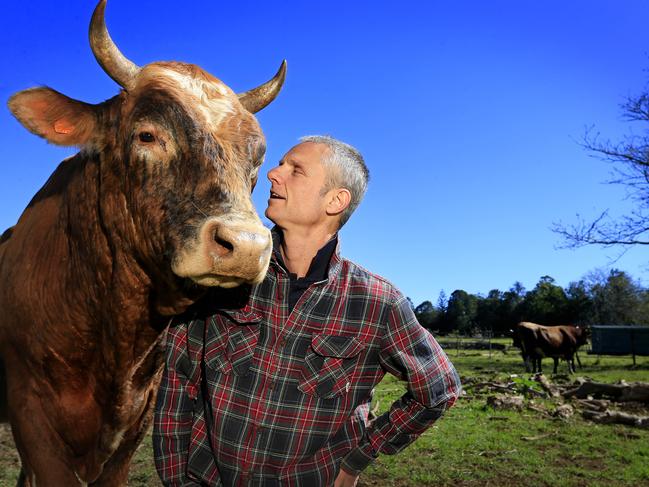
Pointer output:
x,y
298,249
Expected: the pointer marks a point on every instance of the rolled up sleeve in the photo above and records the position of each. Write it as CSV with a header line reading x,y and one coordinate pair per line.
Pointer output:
x,y
410,353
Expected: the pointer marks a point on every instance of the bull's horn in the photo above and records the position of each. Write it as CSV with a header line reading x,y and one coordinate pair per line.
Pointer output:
x,y
111,60
258,98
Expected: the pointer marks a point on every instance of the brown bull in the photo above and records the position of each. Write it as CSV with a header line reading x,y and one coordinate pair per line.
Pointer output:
x,y
123,236
538,341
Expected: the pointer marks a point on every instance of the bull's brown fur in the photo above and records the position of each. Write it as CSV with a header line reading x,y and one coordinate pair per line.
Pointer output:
x,y
87,282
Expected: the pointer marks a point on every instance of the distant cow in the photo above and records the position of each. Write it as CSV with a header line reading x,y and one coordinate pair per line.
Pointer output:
x,y
124,235
538,341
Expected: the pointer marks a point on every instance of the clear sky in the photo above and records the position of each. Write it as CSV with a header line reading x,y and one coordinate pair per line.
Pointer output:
x,y
468,113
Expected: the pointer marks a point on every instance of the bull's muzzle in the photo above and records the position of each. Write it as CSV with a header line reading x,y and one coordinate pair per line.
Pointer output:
x,y
229,252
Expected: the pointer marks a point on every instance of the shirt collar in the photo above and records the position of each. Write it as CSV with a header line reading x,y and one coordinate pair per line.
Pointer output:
x,y
322,265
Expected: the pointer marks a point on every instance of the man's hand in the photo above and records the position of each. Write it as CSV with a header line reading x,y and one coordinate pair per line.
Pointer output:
x,y
345,479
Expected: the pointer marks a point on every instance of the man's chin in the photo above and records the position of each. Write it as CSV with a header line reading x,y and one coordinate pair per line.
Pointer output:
x,y
269,213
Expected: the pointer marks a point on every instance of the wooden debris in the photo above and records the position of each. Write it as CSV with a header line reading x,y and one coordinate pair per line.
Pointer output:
x,y
509,387
623,392
538,409
537,437
592,399
547,387
564,411
594,404
501,401
609,416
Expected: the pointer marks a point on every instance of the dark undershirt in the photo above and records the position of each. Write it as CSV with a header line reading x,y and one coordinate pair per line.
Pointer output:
x,y
317,272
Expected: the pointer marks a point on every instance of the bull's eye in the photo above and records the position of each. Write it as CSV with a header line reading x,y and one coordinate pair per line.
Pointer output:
x,y
146,137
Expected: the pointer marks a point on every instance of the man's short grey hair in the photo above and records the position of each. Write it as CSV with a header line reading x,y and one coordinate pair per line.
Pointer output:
x,y
346,169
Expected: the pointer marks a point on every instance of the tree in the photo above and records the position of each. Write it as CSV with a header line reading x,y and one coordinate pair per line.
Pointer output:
x,y
489,312
426,314
512,306
630,160
442,302
580,308
440,322
461,312
546,304
616,299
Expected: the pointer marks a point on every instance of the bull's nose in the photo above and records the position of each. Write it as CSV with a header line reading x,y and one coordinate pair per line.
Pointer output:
x,y
238,248
245,241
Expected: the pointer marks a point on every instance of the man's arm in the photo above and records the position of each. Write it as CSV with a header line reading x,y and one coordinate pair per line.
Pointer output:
x,y
172,425
410,353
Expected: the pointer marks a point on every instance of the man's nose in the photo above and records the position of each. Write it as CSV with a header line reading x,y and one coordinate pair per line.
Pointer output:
x,y
274,175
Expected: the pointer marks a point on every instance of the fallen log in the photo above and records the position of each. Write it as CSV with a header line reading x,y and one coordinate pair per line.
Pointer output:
x,y
493,385
538,437
563,411
634,391
501,401
547,387
609,416
594,404
538,409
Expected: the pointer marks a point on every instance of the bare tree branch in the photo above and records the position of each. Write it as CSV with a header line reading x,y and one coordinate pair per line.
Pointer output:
x,y
630,161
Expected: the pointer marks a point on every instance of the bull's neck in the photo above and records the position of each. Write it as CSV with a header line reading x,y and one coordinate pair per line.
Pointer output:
x,y
105,274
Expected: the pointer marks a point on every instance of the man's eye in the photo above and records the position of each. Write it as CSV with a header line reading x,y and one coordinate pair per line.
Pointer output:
x,y
146,137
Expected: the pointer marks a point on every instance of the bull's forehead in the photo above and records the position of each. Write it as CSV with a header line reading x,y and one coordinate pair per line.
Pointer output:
x,y
216,105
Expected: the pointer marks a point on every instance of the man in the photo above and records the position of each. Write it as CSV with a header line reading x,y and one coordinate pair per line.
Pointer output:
x,y
271,385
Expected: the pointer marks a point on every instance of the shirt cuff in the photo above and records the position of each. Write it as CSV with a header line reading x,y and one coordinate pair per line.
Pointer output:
x,y
357,460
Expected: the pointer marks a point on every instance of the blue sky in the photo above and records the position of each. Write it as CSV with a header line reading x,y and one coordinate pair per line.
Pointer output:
x,y
468,114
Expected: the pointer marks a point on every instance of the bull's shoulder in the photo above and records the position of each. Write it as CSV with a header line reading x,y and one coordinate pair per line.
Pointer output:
x,y
71,169
529,325
549,334
571,334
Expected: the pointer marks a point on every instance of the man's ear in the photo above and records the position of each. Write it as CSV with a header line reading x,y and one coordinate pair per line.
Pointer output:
x,y
54,116
339,199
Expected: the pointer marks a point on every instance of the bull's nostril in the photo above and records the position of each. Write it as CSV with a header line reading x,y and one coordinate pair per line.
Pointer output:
x,y
227,246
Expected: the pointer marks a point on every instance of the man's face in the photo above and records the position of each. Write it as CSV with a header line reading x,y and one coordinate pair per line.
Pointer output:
x,y
296,199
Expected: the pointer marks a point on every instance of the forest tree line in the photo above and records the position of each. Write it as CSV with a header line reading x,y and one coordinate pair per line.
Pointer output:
x,y
601,298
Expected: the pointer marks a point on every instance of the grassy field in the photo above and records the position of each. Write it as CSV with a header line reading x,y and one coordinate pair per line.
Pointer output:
x,y
474,445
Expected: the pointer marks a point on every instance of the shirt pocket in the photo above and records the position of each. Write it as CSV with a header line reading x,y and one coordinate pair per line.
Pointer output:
x,y
328,364
231,346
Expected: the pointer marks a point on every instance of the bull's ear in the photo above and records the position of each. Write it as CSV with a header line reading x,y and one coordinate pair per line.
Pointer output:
x,y
54,116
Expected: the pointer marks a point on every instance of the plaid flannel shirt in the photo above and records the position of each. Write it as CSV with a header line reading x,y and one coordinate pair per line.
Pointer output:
x,y
253,395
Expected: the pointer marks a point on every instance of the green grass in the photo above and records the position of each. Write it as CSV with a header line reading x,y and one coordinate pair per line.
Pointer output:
x,y
473,445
